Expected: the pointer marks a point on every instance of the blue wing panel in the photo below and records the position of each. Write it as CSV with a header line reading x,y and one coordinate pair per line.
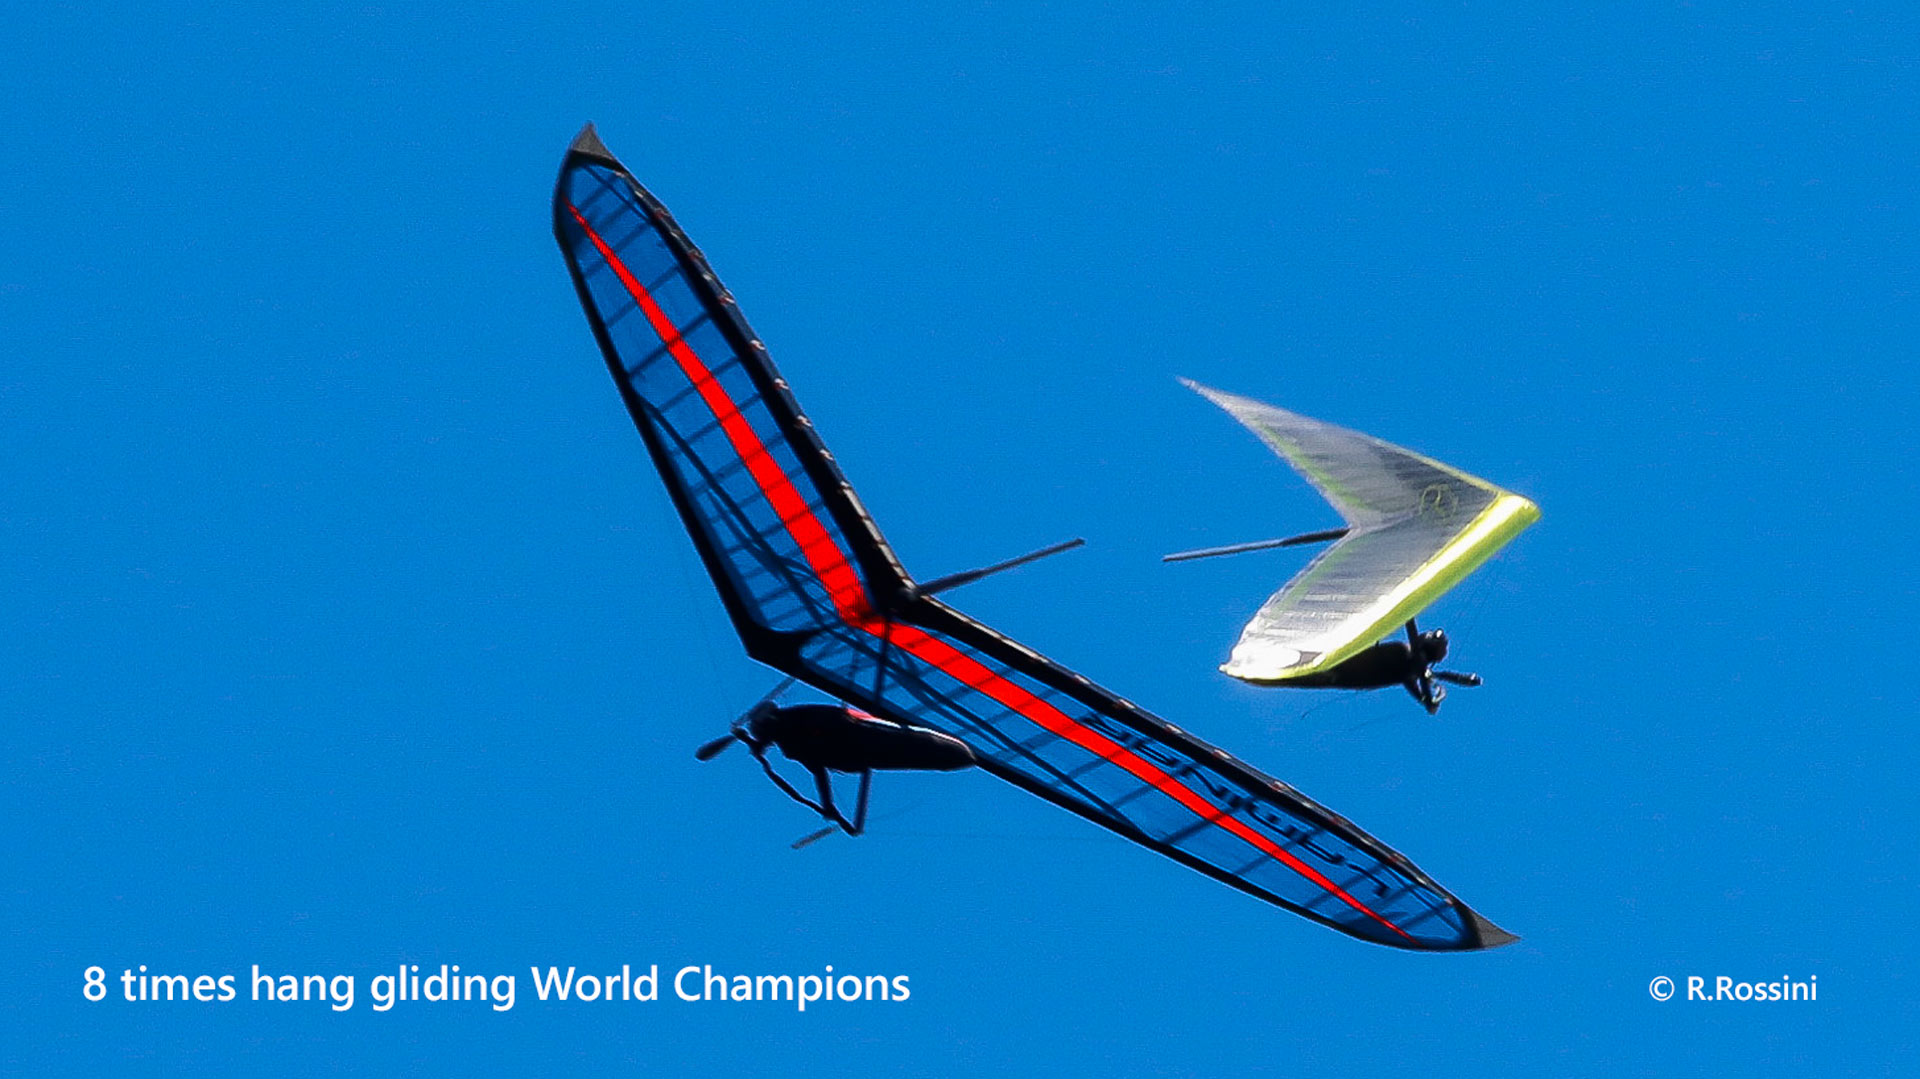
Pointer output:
x,y
720,427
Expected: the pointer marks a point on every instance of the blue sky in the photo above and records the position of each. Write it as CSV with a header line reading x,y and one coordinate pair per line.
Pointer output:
x,y
348,626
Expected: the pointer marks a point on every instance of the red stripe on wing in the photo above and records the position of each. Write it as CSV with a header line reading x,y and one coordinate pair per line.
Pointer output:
x,y
975,675
850,597
815,542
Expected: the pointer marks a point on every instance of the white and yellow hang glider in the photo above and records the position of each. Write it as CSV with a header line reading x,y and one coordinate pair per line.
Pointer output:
x,y
1415,528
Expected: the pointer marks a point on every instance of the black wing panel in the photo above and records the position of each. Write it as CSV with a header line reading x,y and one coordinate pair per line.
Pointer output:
x,y
816,593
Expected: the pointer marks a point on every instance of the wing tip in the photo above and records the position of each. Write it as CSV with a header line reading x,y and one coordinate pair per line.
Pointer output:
x,y
1488,935
1203,390
1244,410
587,144
1272,664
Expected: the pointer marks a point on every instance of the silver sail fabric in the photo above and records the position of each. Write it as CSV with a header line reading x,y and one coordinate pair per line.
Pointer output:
x,y
1417,528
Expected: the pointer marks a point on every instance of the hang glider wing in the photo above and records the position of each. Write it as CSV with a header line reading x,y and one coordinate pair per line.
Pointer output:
x,y
816,593
1416,528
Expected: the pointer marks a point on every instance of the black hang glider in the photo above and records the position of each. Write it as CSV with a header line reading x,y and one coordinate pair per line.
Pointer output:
x,y
817,594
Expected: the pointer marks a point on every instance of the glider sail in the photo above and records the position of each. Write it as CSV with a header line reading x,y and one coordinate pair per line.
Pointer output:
x,y
815,592
1415,528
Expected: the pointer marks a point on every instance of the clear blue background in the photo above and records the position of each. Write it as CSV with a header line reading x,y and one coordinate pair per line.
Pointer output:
x,y
346,625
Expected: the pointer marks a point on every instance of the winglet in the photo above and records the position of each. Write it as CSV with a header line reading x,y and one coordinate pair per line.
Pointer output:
x,y
587,144
1491,935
